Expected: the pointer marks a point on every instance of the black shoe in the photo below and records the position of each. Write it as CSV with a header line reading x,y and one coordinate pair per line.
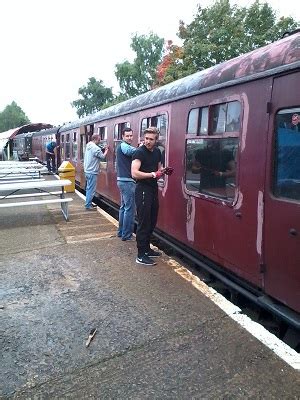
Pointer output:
x,y
90,209
128,239
153,253
145,260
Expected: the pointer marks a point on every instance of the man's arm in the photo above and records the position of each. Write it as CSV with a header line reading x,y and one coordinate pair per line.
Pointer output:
x,y
136,173
99,154
127,149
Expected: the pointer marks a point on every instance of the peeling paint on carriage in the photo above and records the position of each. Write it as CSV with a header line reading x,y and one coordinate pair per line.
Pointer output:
x,y
260,222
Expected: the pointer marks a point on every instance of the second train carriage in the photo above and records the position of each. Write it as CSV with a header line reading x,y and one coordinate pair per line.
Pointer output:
x,y
246,111
40,140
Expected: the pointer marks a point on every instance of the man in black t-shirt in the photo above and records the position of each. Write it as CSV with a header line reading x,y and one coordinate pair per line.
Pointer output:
x,y
146,168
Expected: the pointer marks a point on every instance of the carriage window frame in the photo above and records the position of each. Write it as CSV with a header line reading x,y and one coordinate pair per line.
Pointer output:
x,y
155,121
102,132
74,147
198,120
82,146
221,119
230,138
67,147
285,180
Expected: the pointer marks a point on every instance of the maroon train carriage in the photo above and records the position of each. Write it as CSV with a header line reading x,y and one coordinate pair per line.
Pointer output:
x,y
232,134
40,140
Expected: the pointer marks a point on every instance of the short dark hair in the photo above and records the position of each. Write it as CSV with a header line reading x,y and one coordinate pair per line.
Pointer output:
x,y
126,130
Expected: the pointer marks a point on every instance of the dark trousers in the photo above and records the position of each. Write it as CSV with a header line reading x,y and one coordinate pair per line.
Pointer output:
x,y
146,201
50,157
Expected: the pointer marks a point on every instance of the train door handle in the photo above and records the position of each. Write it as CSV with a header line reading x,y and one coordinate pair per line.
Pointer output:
x,y
293,232
238,214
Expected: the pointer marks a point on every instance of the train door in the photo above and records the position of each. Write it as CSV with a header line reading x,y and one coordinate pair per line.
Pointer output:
x,y
282,196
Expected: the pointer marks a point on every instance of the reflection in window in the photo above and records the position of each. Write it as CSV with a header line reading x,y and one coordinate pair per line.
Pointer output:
x,y
193,121
198,121
226,117
287,154
233,117
211,166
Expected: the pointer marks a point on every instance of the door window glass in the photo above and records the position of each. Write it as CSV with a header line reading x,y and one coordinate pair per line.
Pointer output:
x,y
287,154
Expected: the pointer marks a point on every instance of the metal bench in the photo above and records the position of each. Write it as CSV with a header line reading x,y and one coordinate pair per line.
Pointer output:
x,y
40,188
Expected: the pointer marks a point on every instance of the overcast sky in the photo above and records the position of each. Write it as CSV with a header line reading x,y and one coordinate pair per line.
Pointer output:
x,y
49,48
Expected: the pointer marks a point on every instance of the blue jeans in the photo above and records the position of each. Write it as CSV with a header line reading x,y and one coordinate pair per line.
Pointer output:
x,y
90,189
127,209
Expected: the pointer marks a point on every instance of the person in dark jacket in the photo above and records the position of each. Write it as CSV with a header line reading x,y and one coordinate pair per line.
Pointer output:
x,y
126,185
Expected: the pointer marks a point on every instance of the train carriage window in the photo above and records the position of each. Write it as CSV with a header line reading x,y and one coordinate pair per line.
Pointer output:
x,y
74,147
193,122
67,146
145,124
226,117
102,131
211,161
82,146
287,154
118,138
161,123
198,121
233,116
62,143
211,167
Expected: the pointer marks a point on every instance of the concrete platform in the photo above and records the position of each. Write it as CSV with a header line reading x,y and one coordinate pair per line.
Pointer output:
x,y
158,337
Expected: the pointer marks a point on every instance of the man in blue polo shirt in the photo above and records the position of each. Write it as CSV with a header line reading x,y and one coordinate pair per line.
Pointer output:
x,y
126,185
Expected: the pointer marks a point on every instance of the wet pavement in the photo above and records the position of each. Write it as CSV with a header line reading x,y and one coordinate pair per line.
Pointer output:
x,y
157,336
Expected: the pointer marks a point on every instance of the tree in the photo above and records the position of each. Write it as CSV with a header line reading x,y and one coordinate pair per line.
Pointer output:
x,y
138,77
95,97
170,68
12,117
221,32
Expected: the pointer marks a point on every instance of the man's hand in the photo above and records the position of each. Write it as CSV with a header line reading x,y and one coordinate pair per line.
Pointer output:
x,y
158,174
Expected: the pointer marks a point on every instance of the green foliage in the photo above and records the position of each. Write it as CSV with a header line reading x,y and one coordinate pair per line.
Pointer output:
x,y
221,32
95,97
138,77
12,117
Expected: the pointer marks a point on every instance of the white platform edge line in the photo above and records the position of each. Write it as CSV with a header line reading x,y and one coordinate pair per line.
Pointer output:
x,y
281,349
